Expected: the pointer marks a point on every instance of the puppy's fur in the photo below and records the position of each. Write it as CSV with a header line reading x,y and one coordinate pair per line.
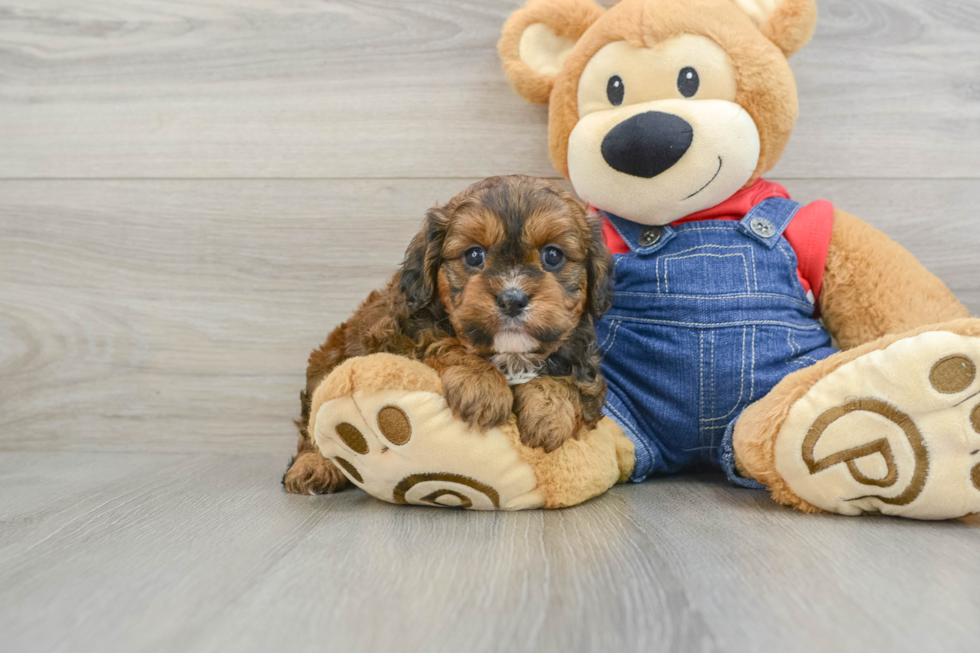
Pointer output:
x,y
461,319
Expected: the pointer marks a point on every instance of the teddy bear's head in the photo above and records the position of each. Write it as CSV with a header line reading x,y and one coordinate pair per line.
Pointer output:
x,y
660,108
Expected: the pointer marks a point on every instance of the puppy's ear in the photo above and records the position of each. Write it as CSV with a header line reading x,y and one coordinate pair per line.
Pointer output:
x,y
600,266
423,258
787,23
538,38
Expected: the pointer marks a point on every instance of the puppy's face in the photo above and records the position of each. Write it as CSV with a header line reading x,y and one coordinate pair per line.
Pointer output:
x,y
519,265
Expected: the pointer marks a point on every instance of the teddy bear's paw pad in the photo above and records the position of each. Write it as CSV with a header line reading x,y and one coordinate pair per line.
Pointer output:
x,y
895,431
405,447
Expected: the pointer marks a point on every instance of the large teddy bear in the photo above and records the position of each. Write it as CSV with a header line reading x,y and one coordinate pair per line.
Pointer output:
x,y
718,350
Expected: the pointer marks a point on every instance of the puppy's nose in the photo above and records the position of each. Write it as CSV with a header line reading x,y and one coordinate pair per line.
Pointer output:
x,y
512,301
647,144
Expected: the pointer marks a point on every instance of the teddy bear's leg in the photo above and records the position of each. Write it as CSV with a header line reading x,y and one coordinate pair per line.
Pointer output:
x,y
892,426
384,421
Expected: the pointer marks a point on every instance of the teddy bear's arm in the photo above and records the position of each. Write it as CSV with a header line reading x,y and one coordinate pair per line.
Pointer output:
x,y
873,286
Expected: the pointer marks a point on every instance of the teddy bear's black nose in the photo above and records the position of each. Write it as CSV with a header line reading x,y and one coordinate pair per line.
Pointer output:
x,y
647,144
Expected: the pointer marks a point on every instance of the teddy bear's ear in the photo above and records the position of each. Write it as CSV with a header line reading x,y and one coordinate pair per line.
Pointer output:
x,y
538,38
787,23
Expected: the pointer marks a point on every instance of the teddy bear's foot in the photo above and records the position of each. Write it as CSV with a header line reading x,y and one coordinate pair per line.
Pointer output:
x,y
895,430
382,419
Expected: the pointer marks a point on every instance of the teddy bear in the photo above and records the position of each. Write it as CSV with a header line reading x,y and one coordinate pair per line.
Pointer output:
x,y
794,348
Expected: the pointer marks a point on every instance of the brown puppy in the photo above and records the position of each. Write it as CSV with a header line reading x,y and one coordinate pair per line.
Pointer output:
x,y
499,293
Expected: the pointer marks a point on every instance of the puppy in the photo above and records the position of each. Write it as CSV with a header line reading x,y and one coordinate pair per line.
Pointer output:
x,y
498,293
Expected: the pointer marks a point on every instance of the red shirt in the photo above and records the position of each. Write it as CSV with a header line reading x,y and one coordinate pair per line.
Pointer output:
x,y
808,233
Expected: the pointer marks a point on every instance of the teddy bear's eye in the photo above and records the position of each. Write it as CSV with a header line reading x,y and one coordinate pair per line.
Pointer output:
x,y
615,90
688,82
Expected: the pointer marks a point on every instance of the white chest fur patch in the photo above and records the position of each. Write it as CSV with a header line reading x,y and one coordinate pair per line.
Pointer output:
x,y
518,368
520,379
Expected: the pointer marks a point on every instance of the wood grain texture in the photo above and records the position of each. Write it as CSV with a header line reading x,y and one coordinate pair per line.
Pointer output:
x,y
155,552
388,88
177,315
246,171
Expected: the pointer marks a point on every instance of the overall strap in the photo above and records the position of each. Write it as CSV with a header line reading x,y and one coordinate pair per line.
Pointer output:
x,y
640,238
768,219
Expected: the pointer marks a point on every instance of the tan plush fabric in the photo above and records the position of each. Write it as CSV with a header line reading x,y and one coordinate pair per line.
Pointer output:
x,y
581,469
887,433
873,286
440,462
766,88
757,430
565,18
787,23
384,421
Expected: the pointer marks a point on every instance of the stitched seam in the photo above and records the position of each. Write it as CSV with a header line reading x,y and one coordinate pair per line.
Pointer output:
x,y
794,272
629,423
694,249
752,368
701,375
612,327
741,386
636,432
638,438
714,392
806,305
623,318
796,349
682,228
745,266
615,333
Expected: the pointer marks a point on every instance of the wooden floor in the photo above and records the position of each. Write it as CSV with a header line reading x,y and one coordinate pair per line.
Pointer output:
x,y
193,193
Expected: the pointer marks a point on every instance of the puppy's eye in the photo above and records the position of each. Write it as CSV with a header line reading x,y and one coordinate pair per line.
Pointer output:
x,y
688,82
615,90
552,257
474,257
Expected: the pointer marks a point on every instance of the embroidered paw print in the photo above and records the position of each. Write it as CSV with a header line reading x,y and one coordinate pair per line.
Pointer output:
x,y
392,423
894,431
406,448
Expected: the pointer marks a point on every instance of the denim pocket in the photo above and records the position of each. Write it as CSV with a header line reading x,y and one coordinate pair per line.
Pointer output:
x,y
727,373
725,269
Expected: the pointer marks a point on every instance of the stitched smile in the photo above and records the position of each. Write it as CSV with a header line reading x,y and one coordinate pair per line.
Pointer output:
x,y
709,182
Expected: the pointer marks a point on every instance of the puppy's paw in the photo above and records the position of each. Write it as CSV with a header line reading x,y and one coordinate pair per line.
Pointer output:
x,y
479,396
311,473
548,413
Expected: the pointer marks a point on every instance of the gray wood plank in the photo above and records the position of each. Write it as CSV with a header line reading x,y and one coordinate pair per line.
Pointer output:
x,y
177,315
769,579
207,553
179,557
266,88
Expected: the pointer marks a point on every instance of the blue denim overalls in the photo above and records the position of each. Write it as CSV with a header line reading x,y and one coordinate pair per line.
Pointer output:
x,y
707,317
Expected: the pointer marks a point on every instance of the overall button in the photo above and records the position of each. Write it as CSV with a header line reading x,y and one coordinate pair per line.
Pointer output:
x,y
651,236
763,227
